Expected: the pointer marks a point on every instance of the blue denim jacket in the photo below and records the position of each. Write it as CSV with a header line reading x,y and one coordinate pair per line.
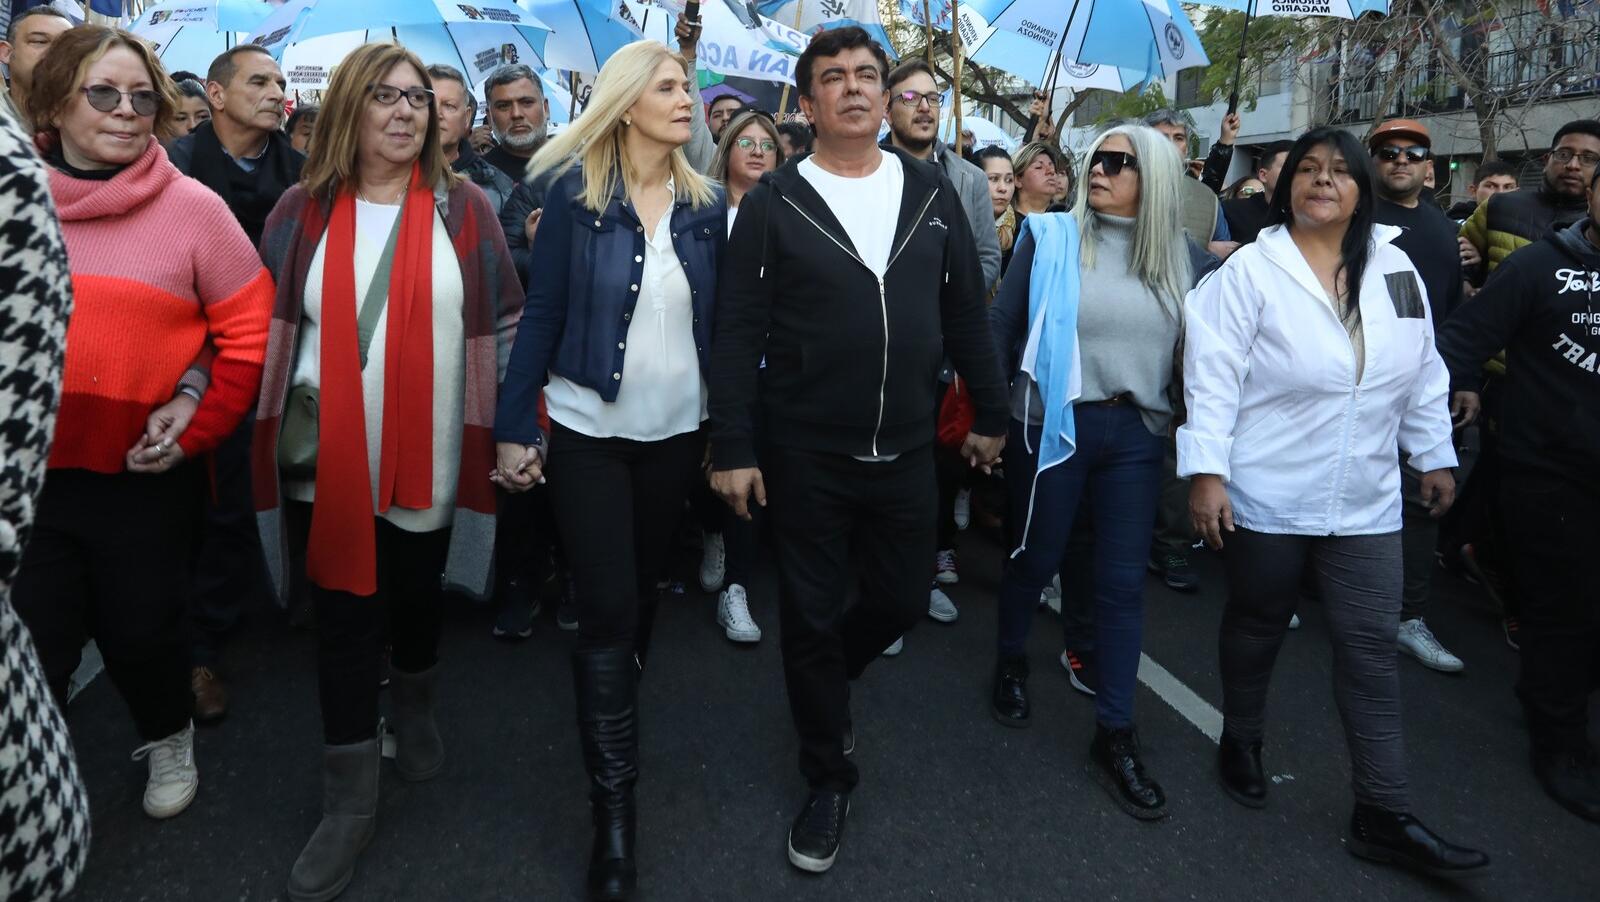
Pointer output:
x,y
583,282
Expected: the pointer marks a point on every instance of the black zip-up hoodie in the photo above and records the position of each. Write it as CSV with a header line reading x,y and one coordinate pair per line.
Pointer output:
x,y
852,364
1543,306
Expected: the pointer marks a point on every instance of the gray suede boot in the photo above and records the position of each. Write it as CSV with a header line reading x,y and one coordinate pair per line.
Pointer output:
x,y
418,751
349,816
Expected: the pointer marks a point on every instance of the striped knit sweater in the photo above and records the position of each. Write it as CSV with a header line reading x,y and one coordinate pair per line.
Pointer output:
x,y
159,268
491,306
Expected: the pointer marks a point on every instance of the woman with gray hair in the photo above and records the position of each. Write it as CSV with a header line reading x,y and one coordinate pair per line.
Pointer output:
x,y
1090,316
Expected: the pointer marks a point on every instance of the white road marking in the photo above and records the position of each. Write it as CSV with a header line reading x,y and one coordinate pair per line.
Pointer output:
x,y
1194,709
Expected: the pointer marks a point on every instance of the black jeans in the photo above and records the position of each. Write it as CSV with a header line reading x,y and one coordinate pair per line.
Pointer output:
x,y
407,613
1555,533
1358,579
829,511
1174,534
230,571
1419,538
109,560
618,503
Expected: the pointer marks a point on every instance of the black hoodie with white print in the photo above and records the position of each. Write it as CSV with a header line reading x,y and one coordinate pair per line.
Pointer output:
x,y
1543,306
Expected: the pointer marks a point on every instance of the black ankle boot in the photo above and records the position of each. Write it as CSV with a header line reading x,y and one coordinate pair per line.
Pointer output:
x,y
607,683
1010,700
1572,779
1239,767
1380,835
1114,763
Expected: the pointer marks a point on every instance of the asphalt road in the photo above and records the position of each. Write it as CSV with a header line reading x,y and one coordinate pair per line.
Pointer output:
x,y
951,804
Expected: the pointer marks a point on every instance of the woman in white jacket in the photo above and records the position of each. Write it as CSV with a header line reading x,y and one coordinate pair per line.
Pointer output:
x,y
1309,358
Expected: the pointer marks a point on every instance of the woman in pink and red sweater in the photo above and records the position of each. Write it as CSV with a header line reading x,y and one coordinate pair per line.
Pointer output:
x,y
160,270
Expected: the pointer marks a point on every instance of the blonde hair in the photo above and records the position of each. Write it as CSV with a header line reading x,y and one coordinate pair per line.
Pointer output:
x,y
335,144
595,138
730,136
1160,250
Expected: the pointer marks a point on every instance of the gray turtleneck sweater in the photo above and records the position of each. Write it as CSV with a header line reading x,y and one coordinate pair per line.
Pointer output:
x,y
1127,339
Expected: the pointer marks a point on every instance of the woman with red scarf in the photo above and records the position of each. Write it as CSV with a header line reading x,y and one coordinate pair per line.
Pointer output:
x,y
396,300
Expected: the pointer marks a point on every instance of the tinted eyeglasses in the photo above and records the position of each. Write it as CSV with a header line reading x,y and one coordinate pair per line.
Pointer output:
x,y
1112,162
106,99
1414,154
389,95
767,145
913,99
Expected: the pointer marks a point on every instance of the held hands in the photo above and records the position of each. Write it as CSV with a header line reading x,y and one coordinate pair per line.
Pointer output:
x,y
1438,491
1464,408
517,467
737,486
157,450
982,452
1210,511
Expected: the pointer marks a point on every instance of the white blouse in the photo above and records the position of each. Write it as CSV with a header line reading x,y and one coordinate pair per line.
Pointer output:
x,y
373,222
663,393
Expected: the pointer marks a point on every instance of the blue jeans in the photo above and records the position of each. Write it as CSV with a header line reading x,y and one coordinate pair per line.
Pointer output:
x,y
1117,467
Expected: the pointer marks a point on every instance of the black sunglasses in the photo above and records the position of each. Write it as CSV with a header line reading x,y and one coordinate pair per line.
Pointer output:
x,y
106,99
1390,153
1111,162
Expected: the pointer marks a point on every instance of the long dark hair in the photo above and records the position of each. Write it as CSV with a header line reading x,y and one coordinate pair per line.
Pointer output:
x,y
1356,247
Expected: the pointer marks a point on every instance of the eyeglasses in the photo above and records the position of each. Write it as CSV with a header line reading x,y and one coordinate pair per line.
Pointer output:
x,y
1111,162
389,95
766,144
1566,155
106,99
914,99
1414,154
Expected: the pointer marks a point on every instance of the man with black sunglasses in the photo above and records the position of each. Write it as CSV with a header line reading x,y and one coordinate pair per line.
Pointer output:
x,y
1402,151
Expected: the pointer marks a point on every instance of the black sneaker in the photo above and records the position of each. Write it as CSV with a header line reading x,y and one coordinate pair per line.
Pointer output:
x,y
814,838
567,611
1081,670
1572,779
1175,571
518,608
1513,632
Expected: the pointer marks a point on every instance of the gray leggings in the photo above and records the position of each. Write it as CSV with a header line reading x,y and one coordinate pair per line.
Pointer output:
x,y
1358,579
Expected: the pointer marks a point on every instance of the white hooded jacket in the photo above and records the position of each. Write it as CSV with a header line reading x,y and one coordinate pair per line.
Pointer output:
x,y
1274,406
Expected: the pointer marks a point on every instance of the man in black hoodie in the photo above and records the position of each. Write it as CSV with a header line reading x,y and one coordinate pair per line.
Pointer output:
x,y
1543,306
852,273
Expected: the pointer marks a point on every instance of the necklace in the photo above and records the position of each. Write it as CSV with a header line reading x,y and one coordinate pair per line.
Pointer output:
x,y
362,195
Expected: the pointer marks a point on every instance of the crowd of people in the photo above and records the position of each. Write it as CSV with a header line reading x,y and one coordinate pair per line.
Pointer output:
x,y
537,356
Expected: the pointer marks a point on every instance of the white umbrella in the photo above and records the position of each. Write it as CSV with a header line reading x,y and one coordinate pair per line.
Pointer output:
x,y
984,133
189,34
586,36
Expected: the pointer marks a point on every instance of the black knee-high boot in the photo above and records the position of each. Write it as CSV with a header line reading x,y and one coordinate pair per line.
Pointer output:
x,y
607,680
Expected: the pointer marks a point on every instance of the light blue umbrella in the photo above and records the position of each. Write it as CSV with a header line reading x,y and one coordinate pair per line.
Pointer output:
x,y
1147,38
587,33
477,38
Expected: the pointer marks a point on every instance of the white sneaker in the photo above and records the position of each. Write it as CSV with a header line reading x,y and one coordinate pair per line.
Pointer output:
x,y
898,646
713,562
944,568
1294,621
733,615
940,607
963,509
1051,596
1418,641
173,778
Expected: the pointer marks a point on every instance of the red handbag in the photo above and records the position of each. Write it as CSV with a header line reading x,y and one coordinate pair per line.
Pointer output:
x,y
956,416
